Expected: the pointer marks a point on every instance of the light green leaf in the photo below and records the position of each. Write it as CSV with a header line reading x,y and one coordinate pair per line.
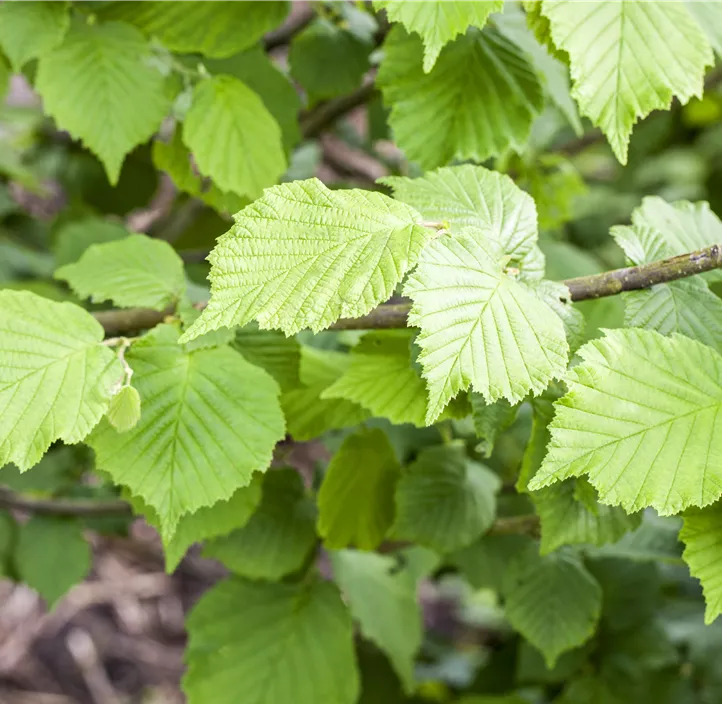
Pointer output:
x,y
556,295
344,57
444,500
640,420
250,156
681,227
56,379
124,409
356,499
628,59
480,327
552,601
135,271
271,644
93,83
490,420
30,29
472,196
52,556
655,540
73,238
209,421
215,29
278,538
263,76
211,521
381,379
708,14
304,256
438,22
279,355
175,159
382,598
478,101
702,537
567,520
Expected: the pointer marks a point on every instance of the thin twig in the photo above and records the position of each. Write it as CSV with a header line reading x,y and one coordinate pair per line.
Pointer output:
x,y
62,507
318,119
287,31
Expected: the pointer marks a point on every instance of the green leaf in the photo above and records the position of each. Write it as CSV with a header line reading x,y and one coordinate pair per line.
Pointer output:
x,y
263,76
58,470
250,156
5,75
56,379
445,500
278,538
472,196
640,420
702,537
210,419
279,355
74,237
211,521
646,54
490,420
304,256
271,644
215,29
655,540
708,14
382,598
135,271
307,414
438,22
567,520
124,409
93,83
480,327
381,379
51,556
344,57
552,601
686,306
175,159
356,499
478,101
30,29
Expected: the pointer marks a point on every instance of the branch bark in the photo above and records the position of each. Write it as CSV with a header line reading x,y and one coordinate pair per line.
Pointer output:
x,y
316,120
62,507
391,316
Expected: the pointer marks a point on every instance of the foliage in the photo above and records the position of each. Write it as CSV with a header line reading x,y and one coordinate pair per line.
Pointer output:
x,y
329,300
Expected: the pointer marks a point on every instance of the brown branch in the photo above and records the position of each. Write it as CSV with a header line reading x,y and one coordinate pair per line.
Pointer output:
x,y
315,121
62,507
287,31
393,315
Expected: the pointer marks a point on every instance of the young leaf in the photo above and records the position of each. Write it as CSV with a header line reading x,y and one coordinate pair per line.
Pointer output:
x,y
702,536
686,306
478,100
278,538
250,156
30,29
381,379
271,644
52,556
124,409
552,601
93,83
135,271
445,500
73,238
472,196
209,421
215,29
438,22
304,256
56,379
567,520
490,420
382,598
640,419
480,327
646,54
308,415
356,499
345,59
